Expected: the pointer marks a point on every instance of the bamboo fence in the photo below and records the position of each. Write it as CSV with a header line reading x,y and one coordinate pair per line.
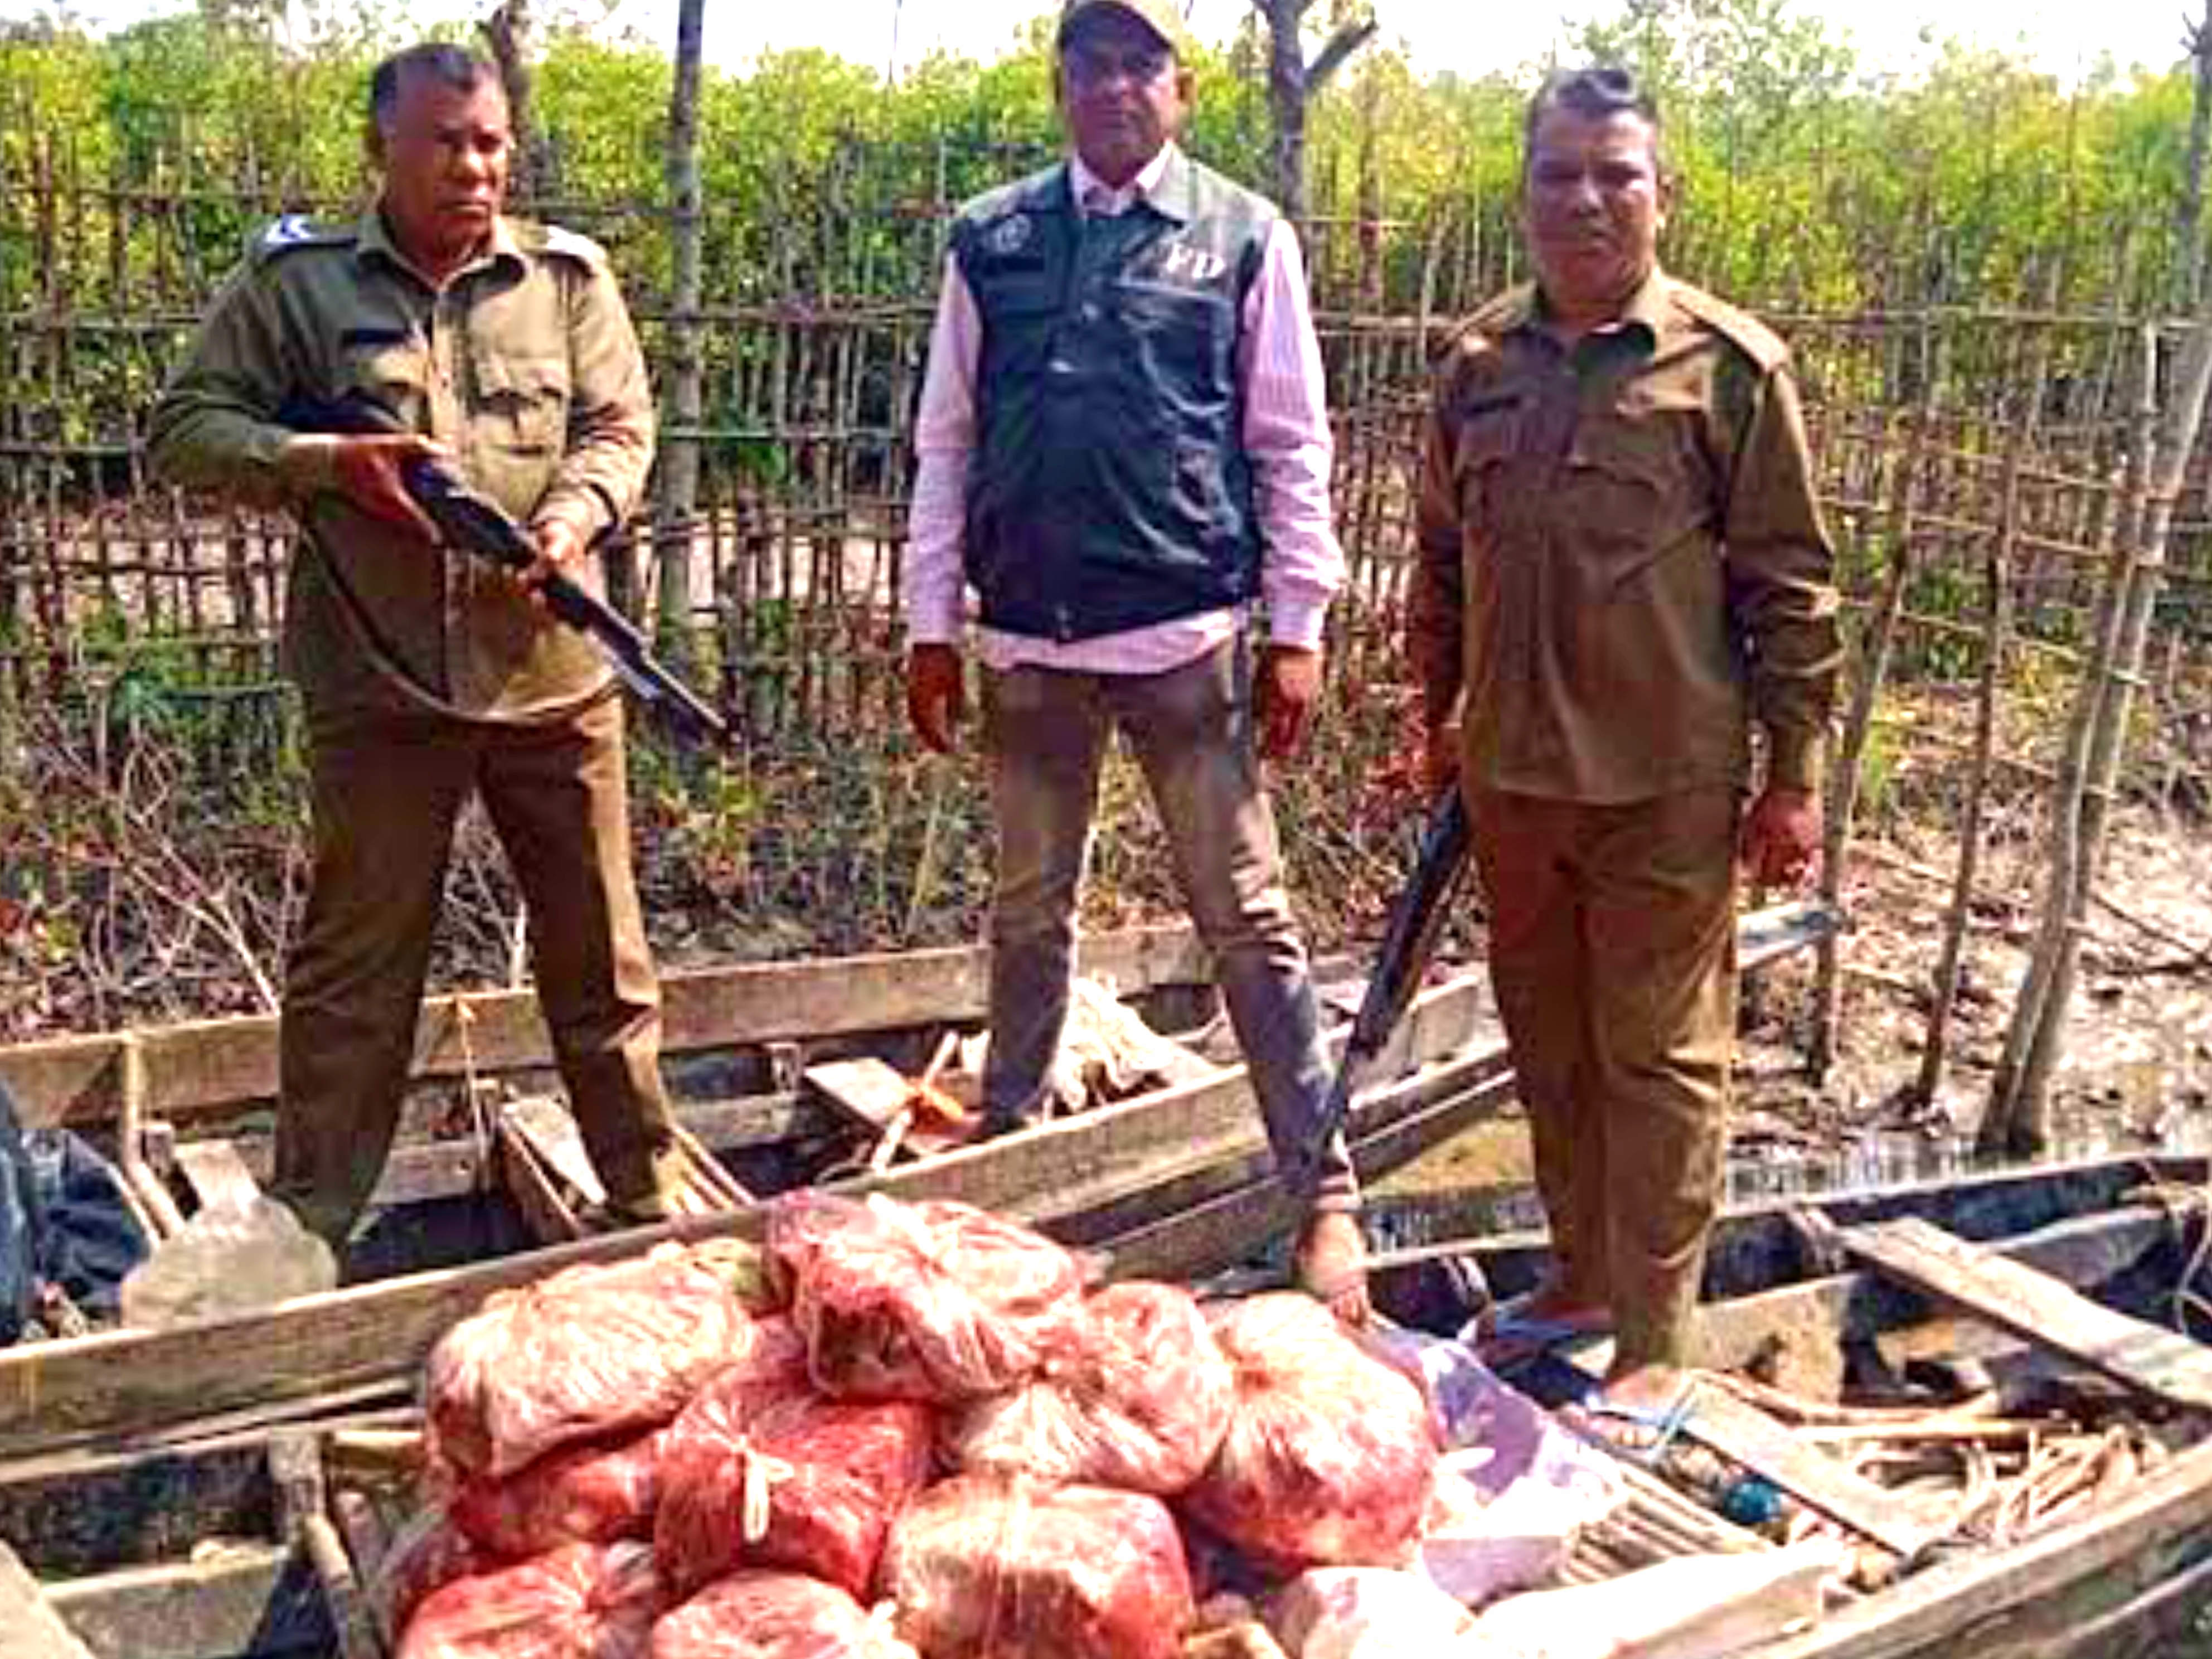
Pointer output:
x,y
1980,467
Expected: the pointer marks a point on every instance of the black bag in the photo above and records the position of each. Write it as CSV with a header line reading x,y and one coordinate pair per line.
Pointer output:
x,y
64,1222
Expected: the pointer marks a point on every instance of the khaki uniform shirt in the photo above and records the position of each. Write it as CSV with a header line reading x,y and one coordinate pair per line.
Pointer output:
x,y
1621,560
525,366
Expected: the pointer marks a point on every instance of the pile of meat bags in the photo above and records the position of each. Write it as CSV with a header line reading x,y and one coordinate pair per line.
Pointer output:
x,y
926,1440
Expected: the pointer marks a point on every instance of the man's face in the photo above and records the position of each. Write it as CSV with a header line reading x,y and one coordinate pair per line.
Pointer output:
x,y
1122,93
445,155
1594,206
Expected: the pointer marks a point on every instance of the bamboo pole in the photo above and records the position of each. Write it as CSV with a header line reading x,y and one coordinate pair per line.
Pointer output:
x,y
1844,786
1996,579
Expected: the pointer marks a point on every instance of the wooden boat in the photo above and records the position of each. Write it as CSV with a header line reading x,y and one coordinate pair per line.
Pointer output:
x,y
1177,1182
2037,1274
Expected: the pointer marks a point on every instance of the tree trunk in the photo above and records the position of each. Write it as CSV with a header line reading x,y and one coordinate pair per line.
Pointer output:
x,y
1286,106
677,490
2189,228
2018,1118
506,34
1292,81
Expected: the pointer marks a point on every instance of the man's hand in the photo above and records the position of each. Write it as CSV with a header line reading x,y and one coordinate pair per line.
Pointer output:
x,y
561,546
366,471
936,698
1780,846
1289,689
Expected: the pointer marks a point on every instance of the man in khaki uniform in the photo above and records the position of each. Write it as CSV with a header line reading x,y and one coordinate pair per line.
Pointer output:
x,y
1622,570
425,673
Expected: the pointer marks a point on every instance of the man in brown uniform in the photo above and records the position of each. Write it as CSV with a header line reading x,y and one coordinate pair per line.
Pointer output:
x,y
425,673
1622,569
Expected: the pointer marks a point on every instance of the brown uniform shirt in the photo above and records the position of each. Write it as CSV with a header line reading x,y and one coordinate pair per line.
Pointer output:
x,y
1621,559
525,367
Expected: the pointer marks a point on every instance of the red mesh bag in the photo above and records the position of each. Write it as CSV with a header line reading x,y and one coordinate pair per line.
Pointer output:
x,y
426,1553
585,1495
797,1482
589,1353
582,1601
1140,1401
991,1567
1331,1455
775,1615
934,1302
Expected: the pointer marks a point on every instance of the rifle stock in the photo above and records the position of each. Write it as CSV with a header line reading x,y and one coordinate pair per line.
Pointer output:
x,y
474,524
1417,918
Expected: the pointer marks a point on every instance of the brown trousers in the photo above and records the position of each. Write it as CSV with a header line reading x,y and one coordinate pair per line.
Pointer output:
x,y
1612,952
1046,732
387,791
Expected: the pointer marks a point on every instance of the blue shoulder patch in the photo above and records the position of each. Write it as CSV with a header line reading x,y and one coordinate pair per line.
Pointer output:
x,y
298,230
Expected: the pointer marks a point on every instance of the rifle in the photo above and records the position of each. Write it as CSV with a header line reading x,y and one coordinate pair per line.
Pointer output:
x,y
1417,917
473,523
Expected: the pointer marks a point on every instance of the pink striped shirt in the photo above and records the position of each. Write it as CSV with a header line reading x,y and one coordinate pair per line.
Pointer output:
x,y
1286,438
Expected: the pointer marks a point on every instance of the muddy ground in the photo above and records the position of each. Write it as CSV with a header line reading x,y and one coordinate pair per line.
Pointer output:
x,y
2137,1067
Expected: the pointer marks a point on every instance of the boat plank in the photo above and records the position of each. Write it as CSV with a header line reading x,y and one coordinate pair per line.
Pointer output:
x,y
201,1068
259,1600
1942,1609
1739,1430
29,1626
2034,1305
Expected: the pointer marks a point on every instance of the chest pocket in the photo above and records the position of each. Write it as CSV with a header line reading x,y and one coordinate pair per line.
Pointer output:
x,y
394,375
1489,439
523,402
1189,333
1633,492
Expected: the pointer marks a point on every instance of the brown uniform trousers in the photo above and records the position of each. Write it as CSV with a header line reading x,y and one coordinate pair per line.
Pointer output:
x,y
426,676
1612,952
557,798
1622,571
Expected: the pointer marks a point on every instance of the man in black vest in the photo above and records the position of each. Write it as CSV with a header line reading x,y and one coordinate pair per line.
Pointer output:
x,y
1123,445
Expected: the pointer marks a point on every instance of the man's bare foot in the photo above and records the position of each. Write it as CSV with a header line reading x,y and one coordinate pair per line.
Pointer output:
x,y
1331,1264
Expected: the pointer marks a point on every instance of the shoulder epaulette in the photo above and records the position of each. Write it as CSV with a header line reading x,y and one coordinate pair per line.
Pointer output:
x,y
1742,329
1498,315
562,243
297,230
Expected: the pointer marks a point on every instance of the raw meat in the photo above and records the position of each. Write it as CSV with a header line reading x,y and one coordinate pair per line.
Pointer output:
x,y
795,1481
775,1615
1331,1454
584,1495
582,1601
935,1303
587,1354
426,1553
995,1567
1140,1402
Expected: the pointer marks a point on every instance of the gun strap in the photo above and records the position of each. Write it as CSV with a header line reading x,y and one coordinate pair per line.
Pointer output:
x,y
385,661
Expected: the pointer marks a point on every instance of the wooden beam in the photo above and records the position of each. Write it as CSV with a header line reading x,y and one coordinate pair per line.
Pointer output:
x,y
214,1067
2038,1307
1944,1608
29,1626
1741,1431
256,1600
